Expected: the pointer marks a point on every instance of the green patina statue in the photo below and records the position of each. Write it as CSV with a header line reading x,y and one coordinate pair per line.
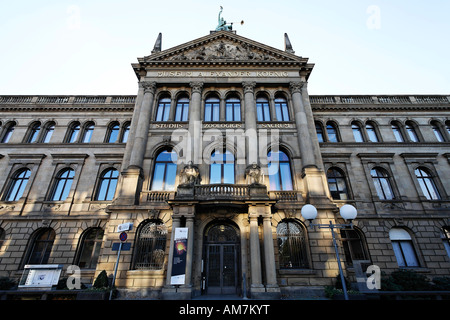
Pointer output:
x,y
222,23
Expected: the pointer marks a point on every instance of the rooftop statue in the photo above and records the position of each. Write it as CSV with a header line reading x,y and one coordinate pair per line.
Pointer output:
x,y
222,26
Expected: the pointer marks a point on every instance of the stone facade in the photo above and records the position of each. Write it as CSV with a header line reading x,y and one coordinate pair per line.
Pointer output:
x,y
316,133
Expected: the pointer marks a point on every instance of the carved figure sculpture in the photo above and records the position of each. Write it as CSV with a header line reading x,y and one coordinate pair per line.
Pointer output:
x,y
190,174
254,174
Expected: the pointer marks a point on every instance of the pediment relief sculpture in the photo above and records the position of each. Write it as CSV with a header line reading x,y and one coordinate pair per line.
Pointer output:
x,y
221,46
224,50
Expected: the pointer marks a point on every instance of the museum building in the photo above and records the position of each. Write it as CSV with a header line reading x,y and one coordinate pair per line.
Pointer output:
x,y
224,142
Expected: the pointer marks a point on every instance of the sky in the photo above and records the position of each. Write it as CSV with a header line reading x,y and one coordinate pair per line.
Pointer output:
x,y
86,47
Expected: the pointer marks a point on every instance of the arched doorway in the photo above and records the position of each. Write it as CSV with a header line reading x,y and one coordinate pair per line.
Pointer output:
x,y
221,247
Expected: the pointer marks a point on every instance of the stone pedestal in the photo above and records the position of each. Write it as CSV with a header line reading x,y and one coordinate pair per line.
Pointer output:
x,y
316,186
129,190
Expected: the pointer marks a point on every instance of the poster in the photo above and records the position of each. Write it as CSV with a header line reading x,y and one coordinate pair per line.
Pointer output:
x,y
179,256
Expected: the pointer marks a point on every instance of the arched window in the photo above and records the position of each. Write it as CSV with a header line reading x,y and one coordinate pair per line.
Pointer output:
x,y
9,129
382,184
233,109
437,131
48,132
411,130
74,130
262,109
165,171
319,132
445,236
403,248
89,248
2,237
427,184
87,132
397,132
113,132
337,184
281,109
17,185
150,246
354,245
125,132
280,177
163,111
107,185
291,245
332,132
222,167
40,247
34,132
182,109
371,132
447,126
63,183
212,109
357,132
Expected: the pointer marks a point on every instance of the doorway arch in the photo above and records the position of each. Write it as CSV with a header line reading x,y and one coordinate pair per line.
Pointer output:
x,y
221,252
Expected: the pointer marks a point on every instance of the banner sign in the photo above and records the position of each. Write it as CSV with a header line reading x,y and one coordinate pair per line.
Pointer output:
x,y
179,256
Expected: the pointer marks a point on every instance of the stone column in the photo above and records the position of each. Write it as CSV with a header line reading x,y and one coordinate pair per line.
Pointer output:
x,y
301,122
190,250
143,124
312,172
175,224
255,255
134,120
195,124
251,145
269,253
311,126
132,174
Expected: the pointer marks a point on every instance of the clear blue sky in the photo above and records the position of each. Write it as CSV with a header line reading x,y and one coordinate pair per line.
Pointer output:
x,y
358,47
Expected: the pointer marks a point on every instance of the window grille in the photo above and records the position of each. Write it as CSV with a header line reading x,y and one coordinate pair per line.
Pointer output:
x,y
150,246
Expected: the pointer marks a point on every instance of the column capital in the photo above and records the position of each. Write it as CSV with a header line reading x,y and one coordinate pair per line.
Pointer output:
x,y
149,87
249,87
296,87
197,87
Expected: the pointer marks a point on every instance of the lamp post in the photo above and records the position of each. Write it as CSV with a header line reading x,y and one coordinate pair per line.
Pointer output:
x,y
348,212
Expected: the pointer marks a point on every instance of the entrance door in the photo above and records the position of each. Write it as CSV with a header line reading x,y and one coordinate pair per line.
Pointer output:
x,y
222,266
221,253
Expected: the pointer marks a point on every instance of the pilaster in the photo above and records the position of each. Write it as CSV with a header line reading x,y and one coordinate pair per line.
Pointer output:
x,y
195,123
251,145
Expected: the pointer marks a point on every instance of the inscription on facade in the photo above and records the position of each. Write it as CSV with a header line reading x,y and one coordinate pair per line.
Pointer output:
x,y
222,74
169,125
222,125
276,125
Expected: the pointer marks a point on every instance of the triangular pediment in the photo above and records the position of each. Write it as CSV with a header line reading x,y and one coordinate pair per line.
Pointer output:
x,y
223,46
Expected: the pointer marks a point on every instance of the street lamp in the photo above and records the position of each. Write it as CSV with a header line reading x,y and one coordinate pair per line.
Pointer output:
x,y
348,212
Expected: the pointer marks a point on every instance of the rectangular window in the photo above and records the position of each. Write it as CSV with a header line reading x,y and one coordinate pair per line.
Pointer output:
x,y
216,174
263,111
228,173
405,254
171,172
357,134
158,176
286,179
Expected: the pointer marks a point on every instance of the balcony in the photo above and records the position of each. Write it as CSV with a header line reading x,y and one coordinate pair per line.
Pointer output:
x,y
221,192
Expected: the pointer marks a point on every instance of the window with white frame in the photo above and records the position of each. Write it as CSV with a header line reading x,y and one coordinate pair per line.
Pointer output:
x,y
403,246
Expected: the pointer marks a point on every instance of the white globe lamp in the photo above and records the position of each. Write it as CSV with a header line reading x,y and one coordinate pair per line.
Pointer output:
x,y
348,212
309,212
